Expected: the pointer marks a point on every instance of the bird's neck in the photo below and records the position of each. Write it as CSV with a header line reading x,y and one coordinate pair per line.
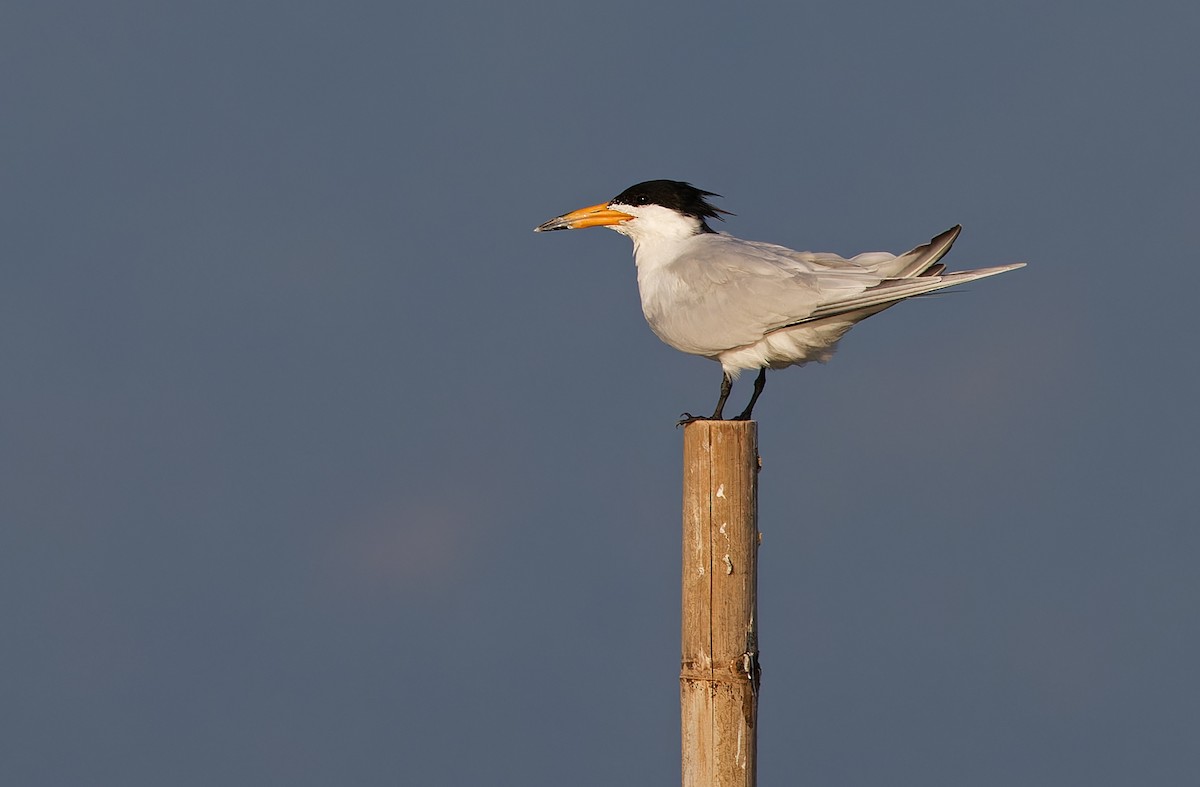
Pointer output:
x,y
657,243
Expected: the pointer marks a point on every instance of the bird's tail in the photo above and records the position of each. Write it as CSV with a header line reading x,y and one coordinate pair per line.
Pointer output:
x,y
891,291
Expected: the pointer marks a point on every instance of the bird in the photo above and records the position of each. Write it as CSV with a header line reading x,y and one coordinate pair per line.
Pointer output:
x,y
751,305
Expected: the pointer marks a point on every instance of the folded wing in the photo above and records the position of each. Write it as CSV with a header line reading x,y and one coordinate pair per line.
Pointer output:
x,y
735,292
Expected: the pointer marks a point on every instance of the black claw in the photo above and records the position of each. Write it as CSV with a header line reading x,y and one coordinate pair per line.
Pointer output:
x,y
688,418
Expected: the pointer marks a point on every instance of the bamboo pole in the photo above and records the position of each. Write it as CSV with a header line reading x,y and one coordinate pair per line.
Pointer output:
x,y
719,675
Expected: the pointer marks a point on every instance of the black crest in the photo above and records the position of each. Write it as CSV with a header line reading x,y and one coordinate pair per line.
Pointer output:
x,y
673,194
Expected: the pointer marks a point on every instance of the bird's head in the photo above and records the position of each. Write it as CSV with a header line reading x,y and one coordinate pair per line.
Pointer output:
x,y
655,207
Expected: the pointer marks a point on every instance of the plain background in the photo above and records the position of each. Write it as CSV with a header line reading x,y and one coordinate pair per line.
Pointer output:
x,y
317,466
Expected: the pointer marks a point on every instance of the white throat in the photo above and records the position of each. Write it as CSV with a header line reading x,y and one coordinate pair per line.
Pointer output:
x,y
658,234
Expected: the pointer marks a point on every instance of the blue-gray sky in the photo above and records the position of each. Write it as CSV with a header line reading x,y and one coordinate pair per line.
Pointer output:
x,y
317,466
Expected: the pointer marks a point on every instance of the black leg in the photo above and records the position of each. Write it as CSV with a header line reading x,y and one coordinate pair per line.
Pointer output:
x,y
760,382
726,387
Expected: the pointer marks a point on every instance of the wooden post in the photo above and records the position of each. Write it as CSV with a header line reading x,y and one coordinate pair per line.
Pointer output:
x,y
719,676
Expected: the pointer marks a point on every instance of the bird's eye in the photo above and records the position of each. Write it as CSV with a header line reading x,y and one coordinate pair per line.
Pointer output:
x,y
642,199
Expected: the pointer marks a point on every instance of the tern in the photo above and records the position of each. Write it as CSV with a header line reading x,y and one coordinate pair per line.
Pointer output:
x,y
751,305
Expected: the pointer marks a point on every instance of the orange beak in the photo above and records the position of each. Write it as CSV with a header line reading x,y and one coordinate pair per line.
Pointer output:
x,y
595,216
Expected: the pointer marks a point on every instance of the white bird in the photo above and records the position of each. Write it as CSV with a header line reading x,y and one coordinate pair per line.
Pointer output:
x,y
751,305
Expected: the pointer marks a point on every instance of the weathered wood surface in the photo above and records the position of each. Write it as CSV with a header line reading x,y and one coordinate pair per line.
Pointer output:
x,y
718,680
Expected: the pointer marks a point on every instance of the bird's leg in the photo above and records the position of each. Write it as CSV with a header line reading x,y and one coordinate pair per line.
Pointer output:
x,y
760,382
726,387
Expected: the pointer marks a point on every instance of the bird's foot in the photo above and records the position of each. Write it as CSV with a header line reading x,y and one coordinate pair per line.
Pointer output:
x,y
688,418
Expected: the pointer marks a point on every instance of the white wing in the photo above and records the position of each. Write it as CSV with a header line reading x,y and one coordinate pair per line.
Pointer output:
x,y
723,292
